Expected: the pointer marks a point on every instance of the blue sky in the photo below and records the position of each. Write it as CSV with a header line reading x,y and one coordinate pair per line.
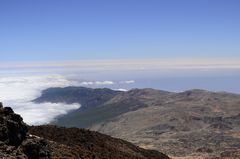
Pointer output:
x,y
47,30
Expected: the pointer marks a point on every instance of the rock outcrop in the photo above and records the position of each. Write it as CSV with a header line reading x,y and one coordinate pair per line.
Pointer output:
x,y
15,141
12,129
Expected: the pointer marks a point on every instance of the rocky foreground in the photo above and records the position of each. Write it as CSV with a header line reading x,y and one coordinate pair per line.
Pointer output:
x,y
19,141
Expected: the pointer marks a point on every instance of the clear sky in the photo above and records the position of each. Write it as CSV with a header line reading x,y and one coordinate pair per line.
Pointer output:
x,y
118,29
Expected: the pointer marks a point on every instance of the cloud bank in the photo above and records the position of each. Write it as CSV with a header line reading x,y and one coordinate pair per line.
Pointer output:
x,y
137,64
18,92
37,114
89,83
28,87
127,82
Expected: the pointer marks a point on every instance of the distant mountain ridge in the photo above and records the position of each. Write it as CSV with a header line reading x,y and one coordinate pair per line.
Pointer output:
x,y
97,104
190,123
87,97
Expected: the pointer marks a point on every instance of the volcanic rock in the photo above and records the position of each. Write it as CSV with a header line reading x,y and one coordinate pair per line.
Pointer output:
x,y
51,142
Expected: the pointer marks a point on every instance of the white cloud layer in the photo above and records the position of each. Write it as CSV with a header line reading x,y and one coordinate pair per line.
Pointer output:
x,y
18,92
87,83
104,82
137,64
36,114
127,82
121,89
28,87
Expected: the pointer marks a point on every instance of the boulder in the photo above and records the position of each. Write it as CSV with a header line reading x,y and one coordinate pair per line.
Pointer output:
x,y
12,128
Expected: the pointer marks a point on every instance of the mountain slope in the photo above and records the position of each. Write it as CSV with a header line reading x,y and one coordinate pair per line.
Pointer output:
x,y
107,106
87,97
87,144
190,123
17,140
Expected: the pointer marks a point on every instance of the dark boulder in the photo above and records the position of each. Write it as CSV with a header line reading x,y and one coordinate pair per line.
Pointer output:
x,y
12,128
15,141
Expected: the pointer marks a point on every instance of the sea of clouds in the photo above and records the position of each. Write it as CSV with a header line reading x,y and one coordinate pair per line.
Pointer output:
x,y
19,91
24,82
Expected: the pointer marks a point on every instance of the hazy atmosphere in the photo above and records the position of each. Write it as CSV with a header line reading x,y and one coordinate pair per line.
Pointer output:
x,y
22,82
126,79
168,45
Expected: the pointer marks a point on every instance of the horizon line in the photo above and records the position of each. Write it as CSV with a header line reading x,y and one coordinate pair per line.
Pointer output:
x,y
158,62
